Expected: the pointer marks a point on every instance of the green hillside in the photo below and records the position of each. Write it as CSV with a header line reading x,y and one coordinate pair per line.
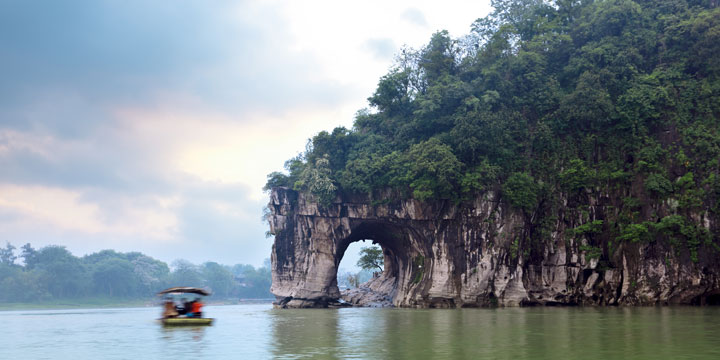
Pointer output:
x,y
557,106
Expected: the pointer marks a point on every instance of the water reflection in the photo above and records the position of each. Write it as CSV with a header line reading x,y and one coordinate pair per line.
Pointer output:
x,y
306,333
183,339
516,333
183,333
259,332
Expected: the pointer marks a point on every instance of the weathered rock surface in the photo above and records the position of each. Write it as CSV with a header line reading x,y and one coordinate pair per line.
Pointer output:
x,y
442,255
377,292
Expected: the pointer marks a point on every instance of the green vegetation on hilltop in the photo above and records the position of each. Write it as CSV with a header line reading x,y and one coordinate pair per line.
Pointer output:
x,y
52,275
545,102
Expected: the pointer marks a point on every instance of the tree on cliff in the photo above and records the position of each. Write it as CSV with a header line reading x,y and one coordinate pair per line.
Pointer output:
x,y
370,258
316,180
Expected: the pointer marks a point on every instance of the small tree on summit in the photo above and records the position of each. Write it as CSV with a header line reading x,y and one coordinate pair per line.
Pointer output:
x,y
370,258
316,179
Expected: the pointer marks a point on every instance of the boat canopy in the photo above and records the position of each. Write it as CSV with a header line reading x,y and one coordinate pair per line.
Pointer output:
x,y
184,290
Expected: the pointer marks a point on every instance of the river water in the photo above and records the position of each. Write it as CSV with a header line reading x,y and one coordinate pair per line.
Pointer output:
x,y
260,332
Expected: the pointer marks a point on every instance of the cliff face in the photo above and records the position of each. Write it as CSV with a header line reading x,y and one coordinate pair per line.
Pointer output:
x,y
438,254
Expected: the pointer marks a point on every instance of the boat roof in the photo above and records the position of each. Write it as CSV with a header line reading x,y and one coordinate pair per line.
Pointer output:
x,y
184,290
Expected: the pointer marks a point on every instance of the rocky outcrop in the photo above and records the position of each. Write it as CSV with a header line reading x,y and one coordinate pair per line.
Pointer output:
x,y
438,254
378,292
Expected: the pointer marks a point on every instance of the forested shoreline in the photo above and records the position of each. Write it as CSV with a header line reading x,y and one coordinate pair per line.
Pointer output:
x,y
52,273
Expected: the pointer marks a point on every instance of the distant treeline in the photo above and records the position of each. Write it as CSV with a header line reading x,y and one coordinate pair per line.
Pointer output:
x,y
53,273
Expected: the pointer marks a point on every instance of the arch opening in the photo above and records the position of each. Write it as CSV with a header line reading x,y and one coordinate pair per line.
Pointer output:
x,y
381,288
350,274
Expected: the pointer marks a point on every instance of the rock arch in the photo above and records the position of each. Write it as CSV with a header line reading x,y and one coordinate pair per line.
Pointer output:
x,y
310,241
401,251
309,247
441,254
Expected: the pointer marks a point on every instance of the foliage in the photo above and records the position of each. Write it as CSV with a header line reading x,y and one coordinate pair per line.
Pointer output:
x,y
514,248
555,103
593,227
683,232
352,280
316,180
252,282
371,257
591,252
277,179
521,191
635,233
53,273
479,178
432,170
7,255
576,177
658,185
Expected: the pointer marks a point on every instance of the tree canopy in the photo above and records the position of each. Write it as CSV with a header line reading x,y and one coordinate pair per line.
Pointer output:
x,y
535,87
371,258
544,100
53,273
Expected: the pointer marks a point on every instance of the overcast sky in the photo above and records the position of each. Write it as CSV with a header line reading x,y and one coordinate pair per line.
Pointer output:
x,y
151,125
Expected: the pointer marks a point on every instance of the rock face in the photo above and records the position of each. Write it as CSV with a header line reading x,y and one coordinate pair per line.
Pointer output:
x,y
374,293
438,254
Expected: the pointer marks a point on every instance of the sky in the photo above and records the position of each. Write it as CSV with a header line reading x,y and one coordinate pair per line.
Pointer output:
x,y
151,125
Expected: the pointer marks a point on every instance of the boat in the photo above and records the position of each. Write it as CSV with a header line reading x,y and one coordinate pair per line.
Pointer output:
x,y
184,320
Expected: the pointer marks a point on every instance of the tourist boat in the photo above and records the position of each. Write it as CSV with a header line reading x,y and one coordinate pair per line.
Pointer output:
x,y
182,320
186,321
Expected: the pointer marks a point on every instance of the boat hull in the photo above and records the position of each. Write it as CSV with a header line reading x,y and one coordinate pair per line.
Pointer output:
x,y
187,321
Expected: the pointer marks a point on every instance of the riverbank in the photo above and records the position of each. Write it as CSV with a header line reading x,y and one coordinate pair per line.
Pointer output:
x,y
76,304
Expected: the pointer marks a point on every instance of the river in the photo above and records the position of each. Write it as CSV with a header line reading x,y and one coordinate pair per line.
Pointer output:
x,y
260,332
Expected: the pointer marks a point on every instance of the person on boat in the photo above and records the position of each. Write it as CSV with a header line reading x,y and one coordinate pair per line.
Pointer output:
x,y
195,308
169,309
184,307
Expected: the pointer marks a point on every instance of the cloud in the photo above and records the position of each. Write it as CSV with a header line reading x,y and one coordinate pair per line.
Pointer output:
x,y
67,210
382,48
106,160
415,17
202,221
150,126
226,227
216,147
64,64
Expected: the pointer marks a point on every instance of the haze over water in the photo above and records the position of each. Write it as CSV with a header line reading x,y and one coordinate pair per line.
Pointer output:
x,y
260,332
